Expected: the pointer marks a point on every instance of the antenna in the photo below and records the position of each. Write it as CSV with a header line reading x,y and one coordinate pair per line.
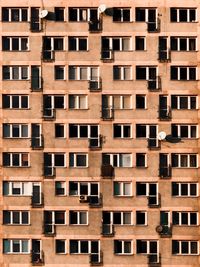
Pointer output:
x,y
43,13
102,8
162,135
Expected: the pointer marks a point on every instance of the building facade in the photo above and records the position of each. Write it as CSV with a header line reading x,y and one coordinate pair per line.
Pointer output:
x,y
99,133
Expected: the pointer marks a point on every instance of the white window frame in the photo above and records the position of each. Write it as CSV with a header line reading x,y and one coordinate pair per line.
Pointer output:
x,y
188,213
189,190
52,38
75,159
64,71
20,14
11,241
62,253
148,246
148,189
86,11
188,160
20,43
178,39
188,73
20,159
88,186
20,101
88,129
63,187
77,70
120,158
20,68
89,246
189,130
122,130
122,75
53,216
77,101
53,159
111,101
145,42
121,186
122,15
122,214
146,218
53,101
188,14
147,13
24,187
147,71
20,130
77,38
189,101
145,159
121,42
189,247
123,247
20,217
147,129
79,217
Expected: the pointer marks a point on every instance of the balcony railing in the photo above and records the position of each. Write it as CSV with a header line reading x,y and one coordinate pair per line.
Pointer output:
x,y
95,142
107,230
107,113
36,83
165,114
49,229
49,171
49,114
95,84
37,258
107,55
154,84
164,55
154,259
165,172
153,26
37,142
95,25
154,201
95,201
107,171
48,55
164,230
37,200
153,143
96,258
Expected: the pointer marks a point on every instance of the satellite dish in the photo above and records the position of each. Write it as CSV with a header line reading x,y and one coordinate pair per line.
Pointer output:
x,y
43,13
161,135
102,8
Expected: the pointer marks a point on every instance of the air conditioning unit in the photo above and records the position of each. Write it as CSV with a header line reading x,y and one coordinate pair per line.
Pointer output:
x,y
83,199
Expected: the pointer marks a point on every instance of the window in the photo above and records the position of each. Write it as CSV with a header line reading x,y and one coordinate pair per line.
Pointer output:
x,y
121,14
123,247
122,131
59,130
59,13
184,189
183,43
15,101
53,43
15,43
146,246
59,72
117,101
78,102
122,189
140,43
77,43
184,160
82,14
15,217
15,130
185,218
116,43
54,159
54,101
15,159
78,217
183,73
83,131
15,73
84,246
17,188
55,217
183,102
183,14
60,246
78,160
145,14
60,188
16,246
145,131
117,160
83,188
122,73
141,217
184,131
119,217
185,247
14,14
140,101
141,160
146,73
146,189
83,73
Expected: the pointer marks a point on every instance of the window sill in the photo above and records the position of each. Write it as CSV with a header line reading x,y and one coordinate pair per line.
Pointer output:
x,y
16,51
16,167
118,196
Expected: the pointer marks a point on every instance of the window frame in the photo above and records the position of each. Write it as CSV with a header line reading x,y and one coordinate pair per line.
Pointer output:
x,y
178,73
179,242
79,212
77,72
20,217
179,189
11,74
19,100
123,246
178,15
189,130
11,125
122,126
178,43
79,246
85,183
178,101
79,130
10,38
179,155
121,190
180,215
75,155
77,102
119,158
20,155
20,14
122,72
77,43
122,9
20,241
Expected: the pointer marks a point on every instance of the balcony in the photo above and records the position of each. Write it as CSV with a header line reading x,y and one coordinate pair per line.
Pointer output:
x,y
49,171
95,201
35,25
164,230
107,113
36,83
165,114
95,26
95,143
153,26
96,258
107,230
164,55
37,200
153,143
37,258
107,55
165,172
95,84
49,114
154,260
49,229
154,201
37,142
48,55
107,171
154,84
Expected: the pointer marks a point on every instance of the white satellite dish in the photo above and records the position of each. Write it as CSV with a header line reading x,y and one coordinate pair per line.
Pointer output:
x,y
102,8
161,135
43,13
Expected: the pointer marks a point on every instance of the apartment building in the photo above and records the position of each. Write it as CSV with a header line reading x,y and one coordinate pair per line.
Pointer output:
x,y
99,133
